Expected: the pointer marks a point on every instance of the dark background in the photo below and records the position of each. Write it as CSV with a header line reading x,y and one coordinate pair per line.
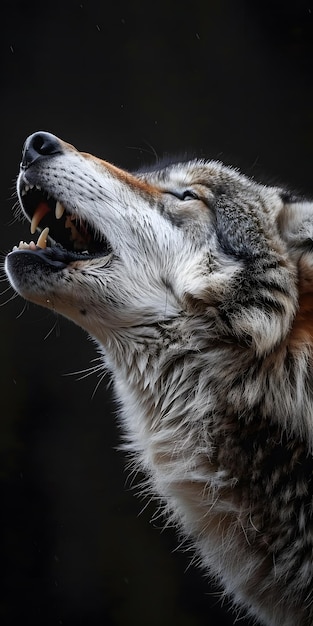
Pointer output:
x,y
128,81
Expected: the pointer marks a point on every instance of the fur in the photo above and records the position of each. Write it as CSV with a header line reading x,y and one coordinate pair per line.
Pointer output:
x,y
197,284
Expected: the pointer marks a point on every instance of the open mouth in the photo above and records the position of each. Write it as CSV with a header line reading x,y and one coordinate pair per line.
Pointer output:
x,y
64,237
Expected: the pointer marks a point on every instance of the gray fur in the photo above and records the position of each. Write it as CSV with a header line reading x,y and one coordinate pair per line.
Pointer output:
x,y
203,312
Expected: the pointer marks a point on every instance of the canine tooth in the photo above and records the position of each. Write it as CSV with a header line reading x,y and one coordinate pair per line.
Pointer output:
x,y
38,187
42,209
26,188
59,210
42,239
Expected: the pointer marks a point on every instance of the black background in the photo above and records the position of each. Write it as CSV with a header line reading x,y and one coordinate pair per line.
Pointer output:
x,y
127,81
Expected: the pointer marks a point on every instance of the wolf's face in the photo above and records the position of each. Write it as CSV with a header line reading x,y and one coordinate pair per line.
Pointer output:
x,y
126,250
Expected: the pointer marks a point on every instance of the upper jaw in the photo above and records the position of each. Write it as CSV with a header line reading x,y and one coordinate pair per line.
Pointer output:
x,y
58,222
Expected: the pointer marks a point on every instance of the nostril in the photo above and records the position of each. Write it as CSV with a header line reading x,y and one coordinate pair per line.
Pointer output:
x,y
40,144
44,143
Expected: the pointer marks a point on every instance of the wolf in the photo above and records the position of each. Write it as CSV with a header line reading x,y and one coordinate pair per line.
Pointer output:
x,y
197,284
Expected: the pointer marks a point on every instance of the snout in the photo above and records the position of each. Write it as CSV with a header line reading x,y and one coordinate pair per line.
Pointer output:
x,y
39,145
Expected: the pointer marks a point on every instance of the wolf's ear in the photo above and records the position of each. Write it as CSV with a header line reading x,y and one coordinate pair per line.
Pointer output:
x,y
250,289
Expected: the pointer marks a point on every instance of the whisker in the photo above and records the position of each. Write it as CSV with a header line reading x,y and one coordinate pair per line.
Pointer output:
x,y
98,384
55,326
88,371
14,295
25,307
9,288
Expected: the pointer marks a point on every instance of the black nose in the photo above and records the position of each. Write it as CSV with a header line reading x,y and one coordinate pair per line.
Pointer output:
x,y
39,145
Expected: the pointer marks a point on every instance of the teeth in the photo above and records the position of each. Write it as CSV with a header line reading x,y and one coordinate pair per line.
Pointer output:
x,y
41,242
42,239
23,245
79,239
27,187
41,210
59,210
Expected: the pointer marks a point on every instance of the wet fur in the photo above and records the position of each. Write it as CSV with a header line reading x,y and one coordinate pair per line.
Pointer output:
x,y
204,316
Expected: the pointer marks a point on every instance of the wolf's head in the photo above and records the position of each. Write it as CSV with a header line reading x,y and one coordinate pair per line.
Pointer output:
x,y
119,250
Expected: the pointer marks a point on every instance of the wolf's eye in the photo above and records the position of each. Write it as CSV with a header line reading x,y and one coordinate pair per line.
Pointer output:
x,y
189,195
